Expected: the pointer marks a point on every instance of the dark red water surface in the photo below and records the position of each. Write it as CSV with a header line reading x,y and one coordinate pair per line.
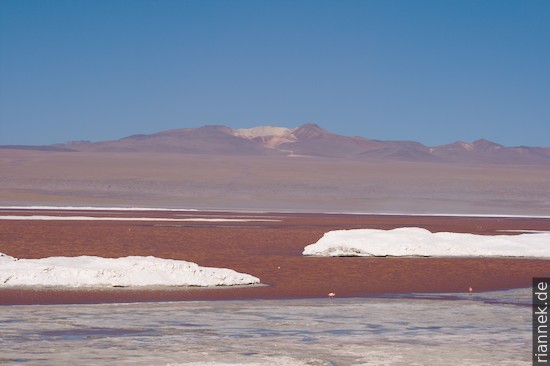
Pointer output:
x,y
268,250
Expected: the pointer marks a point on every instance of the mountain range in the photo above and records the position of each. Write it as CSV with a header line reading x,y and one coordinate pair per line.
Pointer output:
x,y
306,140
273,168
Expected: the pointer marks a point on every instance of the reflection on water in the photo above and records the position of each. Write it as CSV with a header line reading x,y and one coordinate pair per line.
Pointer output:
x,y
478,329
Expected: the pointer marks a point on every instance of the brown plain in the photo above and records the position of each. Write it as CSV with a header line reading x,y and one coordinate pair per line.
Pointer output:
x,y
293,183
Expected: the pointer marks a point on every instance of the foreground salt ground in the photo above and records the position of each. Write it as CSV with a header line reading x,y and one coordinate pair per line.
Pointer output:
x,y
482,329
88,271
413,241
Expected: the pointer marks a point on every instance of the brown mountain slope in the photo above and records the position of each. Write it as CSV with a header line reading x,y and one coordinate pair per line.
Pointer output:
x,y
209,140
490,152
312,140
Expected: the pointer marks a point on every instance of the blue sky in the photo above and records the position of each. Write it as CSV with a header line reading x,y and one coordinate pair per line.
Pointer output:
x,y
432,71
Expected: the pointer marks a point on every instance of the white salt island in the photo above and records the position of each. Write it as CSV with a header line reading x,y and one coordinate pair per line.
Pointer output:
x,y
418,242
88,271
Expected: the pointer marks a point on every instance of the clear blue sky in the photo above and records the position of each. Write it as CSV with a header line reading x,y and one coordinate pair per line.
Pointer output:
x,y
432,71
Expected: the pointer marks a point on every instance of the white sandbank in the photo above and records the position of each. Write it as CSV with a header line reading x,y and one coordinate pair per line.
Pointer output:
x,y
415,241
105,218
88,271
93,208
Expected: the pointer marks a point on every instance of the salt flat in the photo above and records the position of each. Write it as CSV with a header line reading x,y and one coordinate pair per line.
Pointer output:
x,y
426,331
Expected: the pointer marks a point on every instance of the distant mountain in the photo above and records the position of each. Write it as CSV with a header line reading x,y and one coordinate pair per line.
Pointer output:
x,y
306,140
490,152
36,147
210,140
310,140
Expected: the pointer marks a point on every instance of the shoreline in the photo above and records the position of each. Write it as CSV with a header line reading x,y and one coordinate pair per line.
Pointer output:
x,y
484,297
132,209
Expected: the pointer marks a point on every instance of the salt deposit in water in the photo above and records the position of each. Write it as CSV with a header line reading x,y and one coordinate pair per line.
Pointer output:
x,y
411,241
89,271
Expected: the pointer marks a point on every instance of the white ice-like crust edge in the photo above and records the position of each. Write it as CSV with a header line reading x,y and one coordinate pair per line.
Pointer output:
x,y
89,271
94,208
414,241
397,213
258,361
106,218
